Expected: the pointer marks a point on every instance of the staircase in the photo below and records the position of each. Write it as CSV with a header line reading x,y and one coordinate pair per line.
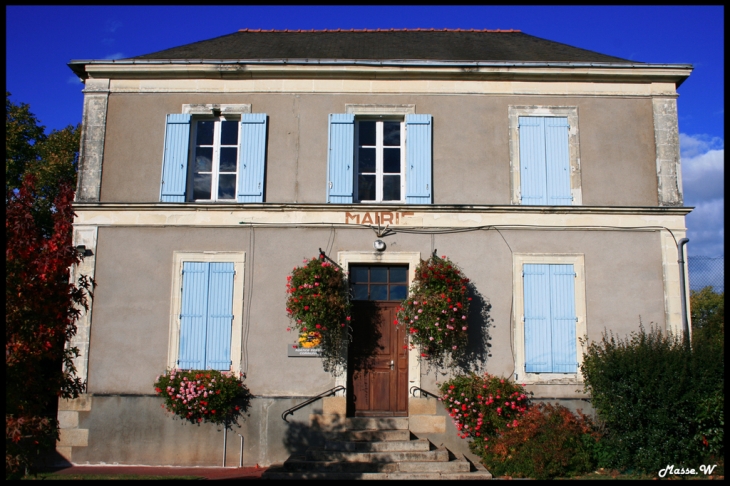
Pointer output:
x,y
376,448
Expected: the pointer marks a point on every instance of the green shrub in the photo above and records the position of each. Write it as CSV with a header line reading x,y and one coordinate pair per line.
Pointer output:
x,y
550,441
648,390
480,405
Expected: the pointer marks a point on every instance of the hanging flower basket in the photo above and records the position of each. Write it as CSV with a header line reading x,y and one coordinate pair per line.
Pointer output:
x,y
436,312
319,309
203,395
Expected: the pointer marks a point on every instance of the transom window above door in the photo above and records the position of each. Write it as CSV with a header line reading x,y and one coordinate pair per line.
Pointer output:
x,y
383,283
215,159
380,160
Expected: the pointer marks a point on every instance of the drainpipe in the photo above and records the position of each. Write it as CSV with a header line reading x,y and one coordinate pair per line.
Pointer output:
x,y
685,320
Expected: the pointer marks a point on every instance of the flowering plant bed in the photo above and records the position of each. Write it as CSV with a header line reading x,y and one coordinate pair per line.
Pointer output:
x,y
437,310
481,405
319,309
203,395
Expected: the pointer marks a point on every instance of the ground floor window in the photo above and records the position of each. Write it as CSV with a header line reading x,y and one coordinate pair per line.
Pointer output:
x,y
206,311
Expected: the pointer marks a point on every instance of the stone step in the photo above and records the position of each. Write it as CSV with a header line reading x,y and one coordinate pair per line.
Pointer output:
x,y
455,466
393,456
376,423
371,435
386,446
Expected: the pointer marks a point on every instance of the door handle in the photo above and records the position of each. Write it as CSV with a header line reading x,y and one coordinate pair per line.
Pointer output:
x,y
391,364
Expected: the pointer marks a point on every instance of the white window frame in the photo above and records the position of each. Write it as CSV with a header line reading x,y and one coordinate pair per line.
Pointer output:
x,y
215,162
179,257
569,112
379,147
578,262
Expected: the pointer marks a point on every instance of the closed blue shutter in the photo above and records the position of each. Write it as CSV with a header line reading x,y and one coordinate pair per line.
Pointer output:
x,y
418,159
562,306
533,188
193,316
220,317
175,161
538,339
252,158
340,158
557,162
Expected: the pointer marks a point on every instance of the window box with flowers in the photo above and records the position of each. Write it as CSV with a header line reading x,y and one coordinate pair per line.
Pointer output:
x,y
436,311
203,395
319,308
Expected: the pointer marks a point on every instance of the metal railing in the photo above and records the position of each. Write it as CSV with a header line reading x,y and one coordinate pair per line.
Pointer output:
x,y
291,411
415,388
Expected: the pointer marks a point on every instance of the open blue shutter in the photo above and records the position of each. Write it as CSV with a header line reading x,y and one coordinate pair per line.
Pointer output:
x,y
220,317
175,159
252,158
533,188
538,354
193,316
557,161
341,158
418,159
562,306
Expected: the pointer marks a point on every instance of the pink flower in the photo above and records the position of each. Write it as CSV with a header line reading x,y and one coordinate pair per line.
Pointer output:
x,y
463,328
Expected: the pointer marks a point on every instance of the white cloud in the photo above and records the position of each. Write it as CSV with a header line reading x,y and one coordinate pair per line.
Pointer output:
x,y
116,55
703,176
73,80
703,171
112,25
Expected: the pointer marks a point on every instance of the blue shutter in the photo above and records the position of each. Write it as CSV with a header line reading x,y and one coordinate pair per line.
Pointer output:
x,y
175,159
252,158
340,158
220,317
533,186
557,161
562,307
418,159
538,346
193,316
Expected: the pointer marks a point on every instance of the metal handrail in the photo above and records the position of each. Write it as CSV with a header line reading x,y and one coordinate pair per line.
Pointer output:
x,y
426,392
291,411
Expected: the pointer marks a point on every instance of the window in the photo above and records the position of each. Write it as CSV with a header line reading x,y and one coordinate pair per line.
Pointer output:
x,y
226,155
379,159
215,159
378,283
544,156
550,296
206,311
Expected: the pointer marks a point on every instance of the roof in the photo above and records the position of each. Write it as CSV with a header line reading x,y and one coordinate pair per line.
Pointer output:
x,y
418,44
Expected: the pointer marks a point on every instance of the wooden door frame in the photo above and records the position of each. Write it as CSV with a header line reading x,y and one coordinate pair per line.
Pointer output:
x,y
410,258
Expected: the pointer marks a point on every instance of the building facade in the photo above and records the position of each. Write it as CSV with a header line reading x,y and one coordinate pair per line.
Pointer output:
x,y
548,173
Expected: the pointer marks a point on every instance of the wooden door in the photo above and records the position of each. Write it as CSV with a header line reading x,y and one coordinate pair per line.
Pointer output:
x,y
378,361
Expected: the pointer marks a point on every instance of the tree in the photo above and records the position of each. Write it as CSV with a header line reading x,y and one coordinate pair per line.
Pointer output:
x,y
42,305
708,316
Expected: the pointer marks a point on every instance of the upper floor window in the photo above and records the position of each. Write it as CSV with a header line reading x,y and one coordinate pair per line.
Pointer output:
x,y
378,159
214,159
215,156
544,156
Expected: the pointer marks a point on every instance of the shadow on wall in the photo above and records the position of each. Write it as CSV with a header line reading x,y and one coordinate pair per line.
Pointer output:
x,y
478,350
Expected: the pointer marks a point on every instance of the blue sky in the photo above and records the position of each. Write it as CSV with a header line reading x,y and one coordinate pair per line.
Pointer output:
x,y
40,40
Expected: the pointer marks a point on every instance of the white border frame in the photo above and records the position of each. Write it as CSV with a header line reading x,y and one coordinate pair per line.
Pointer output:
x,y
410,258
571,112
578,262
238,259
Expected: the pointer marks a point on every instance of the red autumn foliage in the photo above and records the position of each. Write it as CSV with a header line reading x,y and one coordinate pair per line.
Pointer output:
x,y
42,307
